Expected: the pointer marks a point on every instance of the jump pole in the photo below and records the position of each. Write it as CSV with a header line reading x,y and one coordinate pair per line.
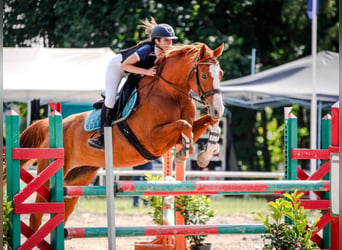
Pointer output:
x,y
110,187
165,188
165,230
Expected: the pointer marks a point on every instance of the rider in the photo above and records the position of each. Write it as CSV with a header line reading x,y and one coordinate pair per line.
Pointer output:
x,y
133,60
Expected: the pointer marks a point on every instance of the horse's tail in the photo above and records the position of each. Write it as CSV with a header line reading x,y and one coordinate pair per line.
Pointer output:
x,y
32,137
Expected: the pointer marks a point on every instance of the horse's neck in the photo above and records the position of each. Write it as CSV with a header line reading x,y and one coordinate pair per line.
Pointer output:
x,y
160,89
176,72
173,80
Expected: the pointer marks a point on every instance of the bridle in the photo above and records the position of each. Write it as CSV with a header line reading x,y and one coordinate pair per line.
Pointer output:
x,y
203,95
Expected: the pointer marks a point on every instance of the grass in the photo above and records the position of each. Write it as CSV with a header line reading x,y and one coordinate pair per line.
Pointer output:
x,y
222,206
238,205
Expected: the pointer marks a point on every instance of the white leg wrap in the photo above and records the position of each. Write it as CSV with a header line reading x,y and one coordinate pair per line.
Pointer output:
x,y
186,141
183,154
212,147
214,137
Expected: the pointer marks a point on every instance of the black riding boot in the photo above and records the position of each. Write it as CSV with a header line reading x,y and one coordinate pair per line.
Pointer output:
x,y
106,120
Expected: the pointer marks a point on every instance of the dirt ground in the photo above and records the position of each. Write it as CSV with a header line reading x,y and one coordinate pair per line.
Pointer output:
x,y
219,242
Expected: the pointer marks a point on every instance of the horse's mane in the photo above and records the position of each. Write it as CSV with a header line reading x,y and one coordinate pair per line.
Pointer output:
x,y
179,49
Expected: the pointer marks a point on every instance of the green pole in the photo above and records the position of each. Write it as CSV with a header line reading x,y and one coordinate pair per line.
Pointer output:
x,y
56,181
290,142
13,175
326,142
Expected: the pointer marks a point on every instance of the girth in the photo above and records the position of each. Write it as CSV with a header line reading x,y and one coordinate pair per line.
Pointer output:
x,y
133,140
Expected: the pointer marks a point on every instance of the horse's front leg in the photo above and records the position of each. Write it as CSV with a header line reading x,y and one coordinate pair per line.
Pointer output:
x,y
187,146
198,128
201,125
168,133
212,146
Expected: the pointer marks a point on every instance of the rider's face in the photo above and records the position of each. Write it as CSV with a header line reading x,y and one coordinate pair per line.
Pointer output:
x,y
164,42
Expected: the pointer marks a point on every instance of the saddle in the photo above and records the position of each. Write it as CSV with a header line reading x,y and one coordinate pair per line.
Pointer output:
x,y
124,96
124,105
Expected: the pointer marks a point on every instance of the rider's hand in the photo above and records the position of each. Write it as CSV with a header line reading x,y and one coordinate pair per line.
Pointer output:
x,y
151,71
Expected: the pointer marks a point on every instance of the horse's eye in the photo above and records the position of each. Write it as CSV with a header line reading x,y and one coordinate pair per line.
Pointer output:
x,y
204,76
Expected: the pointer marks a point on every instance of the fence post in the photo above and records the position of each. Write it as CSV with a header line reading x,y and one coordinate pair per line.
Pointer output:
x,y
290,142
335,151
326,141
13,175
56,181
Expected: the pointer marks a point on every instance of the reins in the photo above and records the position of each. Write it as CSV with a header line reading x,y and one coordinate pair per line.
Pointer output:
x,y
203,95
180,90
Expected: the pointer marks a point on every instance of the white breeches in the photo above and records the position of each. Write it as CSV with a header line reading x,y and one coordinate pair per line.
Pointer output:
x,y
114,75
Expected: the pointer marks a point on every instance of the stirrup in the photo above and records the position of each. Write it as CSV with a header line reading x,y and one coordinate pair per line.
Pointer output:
x,y
96,142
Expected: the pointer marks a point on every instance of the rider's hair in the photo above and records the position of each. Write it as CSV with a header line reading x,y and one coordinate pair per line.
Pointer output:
x,y
148,25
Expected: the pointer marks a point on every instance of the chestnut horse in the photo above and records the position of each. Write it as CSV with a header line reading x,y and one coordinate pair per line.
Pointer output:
x,y
165,117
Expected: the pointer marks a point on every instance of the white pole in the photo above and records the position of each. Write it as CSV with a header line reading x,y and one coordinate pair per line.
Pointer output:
x,y
253,61
313,122
109,187
28,116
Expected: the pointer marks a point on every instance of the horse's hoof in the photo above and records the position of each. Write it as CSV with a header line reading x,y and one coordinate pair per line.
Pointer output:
x,y
202,160
202,164
180,157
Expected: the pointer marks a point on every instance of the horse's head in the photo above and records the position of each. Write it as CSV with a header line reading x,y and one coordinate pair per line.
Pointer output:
x,y
206,78
194,67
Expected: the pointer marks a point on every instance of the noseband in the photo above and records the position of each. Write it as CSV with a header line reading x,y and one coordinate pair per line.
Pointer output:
x,y
203,95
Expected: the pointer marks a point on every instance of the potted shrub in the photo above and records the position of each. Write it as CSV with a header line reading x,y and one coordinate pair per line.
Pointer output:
x,y
195,209
6,223
289,227
154,203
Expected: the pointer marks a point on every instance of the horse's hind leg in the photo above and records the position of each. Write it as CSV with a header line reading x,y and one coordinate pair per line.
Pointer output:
x,y
80,176
36,219
70,204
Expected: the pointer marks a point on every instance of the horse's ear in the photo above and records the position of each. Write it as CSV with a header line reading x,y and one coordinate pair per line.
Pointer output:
x,y
219,50
202,51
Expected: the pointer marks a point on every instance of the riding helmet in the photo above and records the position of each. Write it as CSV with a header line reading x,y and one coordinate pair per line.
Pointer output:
x,y
163,30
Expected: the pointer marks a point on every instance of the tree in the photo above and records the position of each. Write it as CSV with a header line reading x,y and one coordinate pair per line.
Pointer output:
x,y
278,29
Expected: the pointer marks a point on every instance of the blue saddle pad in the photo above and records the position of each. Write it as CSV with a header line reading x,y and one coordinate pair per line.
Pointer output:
x,y
93,121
